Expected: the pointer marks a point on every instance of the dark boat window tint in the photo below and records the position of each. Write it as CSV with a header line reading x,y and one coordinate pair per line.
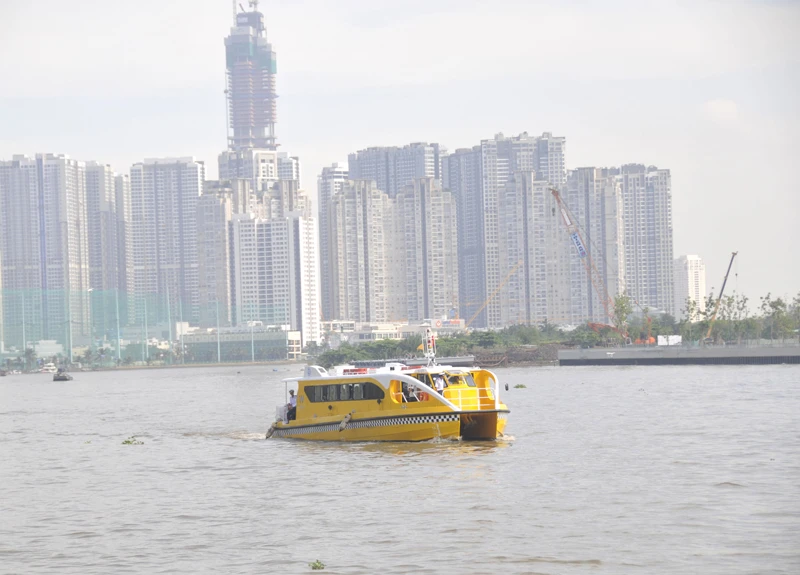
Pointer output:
x,y
372,391
344,392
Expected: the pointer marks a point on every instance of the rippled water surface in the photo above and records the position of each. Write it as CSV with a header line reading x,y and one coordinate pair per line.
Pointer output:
x,y
610,470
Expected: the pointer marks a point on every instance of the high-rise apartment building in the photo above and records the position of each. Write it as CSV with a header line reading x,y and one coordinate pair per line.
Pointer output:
x,y
44,247
392,168
647,216
288,167
20,252
549,159
594,198
251,68
122,191
221,200
423,260
274,274
461,175
329,183
215,208
107,206
164,268
477,177
2,327
535,251
360,238
690,284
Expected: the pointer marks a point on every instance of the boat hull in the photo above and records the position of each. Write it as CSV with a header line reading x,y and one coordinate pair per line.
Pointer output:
x,y
483,424
405,427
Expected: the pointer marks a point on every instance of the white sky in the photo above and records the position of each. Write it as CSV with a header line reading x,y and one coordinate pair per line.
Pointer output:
x,y
707,89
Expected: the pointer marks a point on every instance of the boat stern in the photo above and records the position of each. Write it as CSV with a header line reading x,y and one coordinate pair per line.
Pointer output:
x,y
483,424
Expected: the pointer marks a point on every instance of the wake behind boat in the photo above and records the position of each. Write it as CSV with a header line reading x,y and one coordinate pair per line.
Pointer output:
x,y
395,402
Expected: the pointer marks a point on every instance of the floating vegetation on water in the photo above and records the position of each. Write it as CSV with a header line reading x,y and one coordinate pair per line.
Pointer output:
x,y
317,565
520,386
132,441
85,442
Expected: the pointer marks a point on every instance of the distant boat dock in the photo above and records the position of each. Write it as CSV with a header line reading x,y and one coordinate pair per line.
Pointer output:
x,y
682,355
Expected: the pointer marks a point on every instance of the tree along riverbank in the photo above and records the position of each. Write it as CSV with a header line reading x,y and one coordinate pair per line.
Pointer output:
x,y
777,321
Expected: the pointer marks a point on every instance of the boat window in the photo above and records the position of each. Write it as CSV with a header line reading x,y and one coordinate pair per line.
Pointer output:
x,y
372,391
424,378
470,380
343,392
333,393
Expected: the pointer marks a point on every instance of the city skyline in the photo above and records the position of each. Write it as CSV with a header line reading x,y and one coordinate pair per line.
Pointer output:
x,y
695,198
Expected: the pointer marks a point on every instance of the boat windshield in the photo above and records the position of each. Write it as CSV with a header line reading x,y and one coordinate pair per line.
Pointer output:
x,y
424,378
461,379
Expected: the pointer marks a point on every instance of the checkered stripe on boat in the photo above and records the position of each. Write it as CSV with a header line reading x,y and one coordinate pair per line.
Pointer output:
x,y
402,420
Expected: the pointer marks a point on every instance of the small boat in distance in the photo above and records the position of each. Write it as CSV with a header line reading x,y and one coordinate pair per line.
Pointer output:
x,y
396,402
62,375
49,368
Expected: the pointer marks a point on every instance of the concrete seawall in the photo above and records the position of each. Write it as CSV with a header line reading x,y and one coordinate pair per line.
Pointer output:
x,y
680,355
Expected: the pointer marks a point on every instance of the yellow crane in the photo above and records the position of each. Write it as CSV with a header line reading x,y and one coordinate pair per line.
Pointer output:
x,y
494,293
571,224
719,299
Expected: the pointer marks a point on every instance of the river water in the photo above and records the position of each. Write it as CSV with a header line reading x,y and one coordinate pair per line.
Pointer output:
x,y
610,470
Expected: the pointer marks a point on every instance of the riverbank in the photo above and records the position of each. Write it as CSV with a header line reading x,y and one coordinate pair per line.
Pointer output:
x,y
298,364
680,355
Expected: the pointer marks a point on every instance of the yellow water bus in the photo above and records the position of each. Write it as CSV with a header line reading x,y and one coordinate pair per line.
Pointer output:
x,y
396,402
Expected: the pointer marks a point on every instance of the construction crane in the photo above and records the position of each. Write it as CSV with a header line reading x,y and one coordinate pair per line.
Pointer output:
x,y
494,293
586,259
455,307
719,299
594,274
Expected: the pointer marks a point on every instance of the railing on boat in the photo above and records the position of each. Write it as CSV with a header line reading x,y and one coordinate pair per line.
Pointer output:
x,y
471,398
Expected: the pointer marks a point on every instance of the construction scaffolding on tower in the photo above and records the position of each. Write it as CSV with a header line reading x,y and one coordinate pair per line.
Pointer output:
x,y
251,68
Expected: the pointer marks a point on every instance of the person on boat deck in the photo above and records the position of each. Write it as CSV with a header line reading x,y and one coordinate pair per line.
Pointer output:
x,y
292,405
439,382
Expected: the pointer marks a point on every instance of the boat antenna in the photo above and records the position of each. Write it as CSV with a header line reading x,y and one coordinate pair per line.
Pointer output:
x,y
429,346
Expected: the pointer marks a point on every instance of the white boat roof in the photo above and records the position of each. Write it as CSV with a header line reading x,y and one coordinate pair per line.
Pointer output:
x,y
317,372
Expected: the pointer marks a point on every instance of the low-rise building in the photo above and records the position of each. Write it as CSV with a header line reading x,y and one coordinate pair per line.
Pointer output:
x,y
338,332
242,344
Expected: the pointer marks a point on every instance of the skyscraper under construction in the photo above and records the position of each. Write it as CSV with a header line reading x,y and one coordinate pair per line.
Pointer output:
x,y
251,65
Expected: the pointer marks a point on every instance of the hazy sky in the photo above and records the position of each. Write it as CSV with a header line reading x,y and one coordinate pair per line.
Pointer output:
x,y
707,89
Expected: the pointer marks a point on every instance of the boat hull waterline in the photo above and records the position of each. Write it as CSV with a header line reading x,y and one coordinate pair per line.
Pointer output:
x,y
423,427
